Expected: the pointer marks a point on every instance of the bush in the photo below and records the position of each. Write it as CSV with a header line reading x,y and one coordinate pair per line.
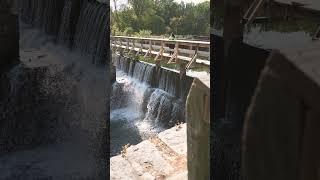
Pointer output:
x,y
144,33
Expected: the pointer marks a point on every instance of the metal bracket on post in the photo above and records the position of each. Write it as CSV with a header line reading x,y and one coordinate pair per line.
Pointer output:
x,y
194,58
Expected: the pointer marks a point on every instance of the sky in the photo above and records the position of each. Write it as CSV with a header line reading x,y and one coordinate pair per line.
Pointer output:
x,y
119,2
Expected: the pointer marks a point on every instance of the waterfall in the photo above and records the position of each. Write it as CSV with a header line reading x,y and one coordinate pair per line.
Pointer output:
x,y
79,24
91,32
169,82
144,101
42,14
165,79
64,32
163,109
52,105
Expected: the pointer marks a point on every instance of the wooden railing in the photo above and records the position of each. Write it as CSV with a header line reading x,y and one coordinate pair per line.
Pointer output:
x,y
174,50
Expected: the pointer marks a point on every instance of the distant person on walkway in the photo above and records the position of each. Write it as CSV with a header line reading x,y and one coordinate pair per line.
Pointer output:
x,y
171,46
172,37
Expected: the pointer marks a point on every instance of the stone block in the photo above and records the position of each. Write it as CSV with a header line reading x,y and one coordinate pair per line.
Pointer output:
x,y
198,130
176,138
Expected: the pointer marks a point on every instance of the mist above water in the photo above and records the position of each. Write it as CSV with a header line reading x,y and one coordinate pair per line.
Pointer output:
x,y
128,104
68,99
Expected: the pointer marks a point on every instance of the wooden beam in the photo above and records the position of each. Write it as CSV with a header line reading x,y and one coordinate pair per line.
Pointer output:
x,y
246,15
194,58
140,49
133,46
160,52
149,50
175,54
190,48
253,14
158,48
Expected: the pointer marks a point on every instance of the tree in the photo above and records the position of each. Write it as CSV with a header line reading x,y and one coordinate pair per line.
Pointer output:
x,y
163,16
175,23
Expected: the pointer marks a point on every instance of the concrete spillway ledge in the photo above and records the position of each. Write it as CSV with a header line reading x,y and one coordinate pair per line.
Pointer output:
x,y
161,157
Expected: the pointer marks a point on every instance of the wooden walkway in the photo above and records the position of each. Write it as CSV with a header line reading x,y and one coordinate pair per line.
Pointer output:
x,y
175,50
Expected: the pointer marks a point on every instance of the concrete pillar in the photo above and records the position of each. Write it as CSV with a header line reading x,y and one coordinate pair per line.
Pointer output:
x,y
198,131
281,130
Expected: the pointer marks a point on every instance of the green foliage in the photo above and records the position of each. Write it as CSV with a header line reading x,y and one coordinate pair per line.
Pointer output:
x,y
128,31
162,17
143,33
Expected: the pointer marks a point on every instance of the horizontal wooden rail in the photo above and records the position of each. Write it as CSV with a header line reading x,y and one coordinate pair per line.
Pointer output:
x,y
174,50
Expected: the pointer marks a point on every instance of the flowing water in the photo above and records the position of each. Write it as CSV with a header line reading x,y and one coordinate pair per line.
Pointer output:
x,y
81,25
53,118
91,34
60,102
138,110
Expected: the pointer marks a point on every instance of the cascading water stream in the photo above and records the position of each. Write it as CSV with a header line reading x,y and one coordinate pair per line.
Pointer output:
x,y
139,111
53,114
91,35
65,29
80,25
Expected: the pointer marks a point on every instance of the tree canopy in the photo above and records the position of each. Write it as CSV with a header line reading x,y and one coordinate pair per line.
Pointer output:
x,y
160,17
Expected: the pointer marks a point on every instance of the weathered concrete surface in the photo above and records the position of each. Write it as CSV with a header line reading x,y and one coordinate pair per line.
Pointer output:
x,y
161,157
281,130
198,133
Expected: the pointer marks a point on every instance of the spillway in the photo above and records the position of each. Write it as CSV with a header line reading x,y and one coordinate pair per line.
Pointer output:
x,y
144,102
